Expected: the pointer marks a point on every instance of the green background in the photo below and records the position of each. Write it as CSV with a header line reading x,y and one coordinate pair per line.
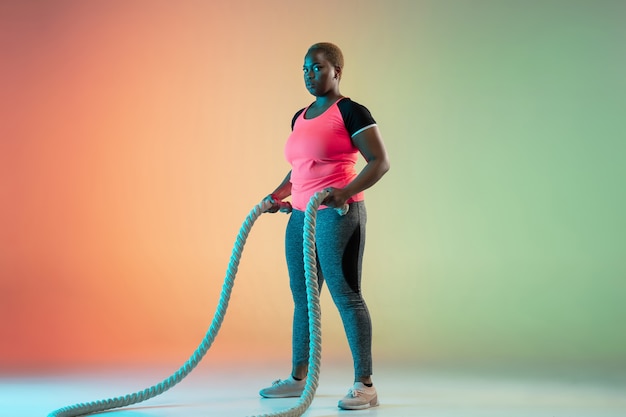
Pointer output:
x,y
503,217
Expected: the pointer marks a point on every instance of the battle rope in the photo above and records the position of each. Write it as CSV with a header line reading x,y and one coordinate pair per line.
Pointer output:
x,y
314,321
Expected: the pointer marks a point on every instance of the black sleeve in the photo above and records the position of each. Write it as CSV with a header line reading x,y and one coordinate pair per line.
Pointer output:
x,y
298,113
355,116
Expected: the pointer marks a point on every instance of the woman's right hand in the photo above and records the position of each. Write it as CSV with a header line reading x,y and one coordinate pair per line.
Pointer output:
x,y
275,204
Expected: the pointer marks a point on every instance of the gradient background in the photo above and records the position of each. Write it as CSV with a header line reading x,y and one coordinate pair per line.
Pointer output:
x,y
135,136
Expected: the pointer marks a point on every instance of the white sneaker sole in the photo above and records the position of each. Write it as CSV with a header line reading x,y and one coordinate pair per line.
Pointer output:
x,y
373,403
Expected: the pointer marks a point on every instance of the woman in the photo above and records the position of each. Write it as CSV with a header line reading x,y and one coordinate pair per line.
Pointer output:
x,y
326,138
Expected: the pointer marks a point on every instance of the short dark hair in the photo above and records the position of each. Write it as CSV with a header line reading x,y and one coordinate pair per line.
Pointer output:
x,y
332,52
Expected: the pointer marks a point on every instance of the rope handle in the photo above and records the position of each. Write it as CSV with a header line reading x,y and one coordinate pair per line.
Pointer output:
x,y
285,206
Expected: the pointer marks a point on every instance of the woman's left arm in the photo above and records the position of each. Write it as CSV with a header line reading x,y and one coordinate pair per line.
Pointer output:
x,y
370,144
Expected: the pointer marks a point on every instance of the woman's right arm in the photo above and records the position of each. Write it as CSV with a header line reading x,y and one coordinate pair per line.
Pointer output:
x,y
284,189
280,193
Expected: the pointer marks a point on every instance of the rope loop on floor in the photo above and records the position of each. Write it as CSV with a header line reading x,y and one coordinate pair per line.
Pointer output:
x,y
315,339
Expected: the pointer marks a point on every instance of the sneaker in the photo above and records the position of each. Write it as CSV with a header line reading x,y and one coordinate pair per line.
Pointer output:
x,y
284,388
359,397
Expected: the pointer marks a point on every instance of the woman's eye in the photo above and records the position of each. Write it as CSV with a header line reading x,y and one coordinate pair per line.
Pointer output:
x,y
315,68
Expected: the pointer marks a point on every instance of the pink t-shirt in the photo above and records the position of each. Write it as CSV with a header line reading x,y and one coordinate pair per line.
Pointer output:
x,y
321,152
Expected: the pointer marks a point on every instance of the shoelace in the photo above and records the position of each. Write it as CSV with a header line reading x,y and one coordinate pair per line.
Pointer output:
x,y
355,392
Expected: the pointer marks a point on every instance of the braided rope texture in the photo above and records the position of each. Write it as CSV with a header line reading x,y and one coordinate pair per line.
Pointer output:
x,y
315,343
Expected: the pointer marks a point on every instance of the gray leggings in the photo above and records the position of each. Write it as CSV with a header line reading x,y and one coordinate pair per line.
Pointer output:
x,y
340,241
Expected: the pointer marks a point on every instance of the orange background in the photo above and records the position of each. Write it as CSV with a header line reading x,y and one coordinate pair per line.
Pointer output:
x,y
136,136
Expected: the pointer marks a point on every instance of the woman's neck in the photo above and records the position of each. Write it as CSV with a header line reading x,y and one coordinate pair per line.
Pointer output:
x,y
320,105
327,100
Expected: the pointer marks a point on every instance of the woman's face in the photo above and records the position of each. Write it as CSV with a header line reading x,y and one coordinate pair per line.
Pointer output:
x,y
320,76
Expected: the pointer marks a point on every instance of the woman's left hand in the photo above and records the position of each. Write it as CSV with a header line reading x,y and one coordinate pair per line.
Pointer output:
x,y
336,198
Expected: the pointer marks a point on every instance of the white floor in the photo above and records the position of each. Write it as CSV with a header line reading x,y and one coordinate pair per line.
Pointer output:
x,y
425,392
